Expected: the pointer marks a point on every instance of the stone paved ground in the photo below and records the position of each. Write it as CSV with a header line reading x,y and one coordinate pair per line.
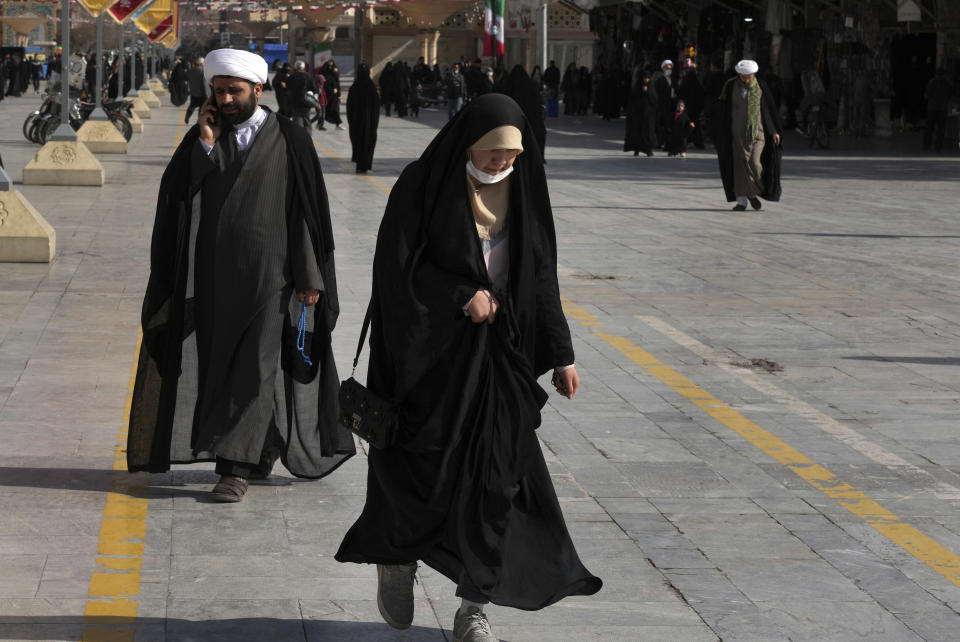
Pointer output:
x,y
811,496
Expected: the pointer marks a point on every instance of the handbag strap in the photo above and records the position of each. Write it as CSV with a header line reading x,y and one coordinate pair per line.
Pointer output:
x,y
363,336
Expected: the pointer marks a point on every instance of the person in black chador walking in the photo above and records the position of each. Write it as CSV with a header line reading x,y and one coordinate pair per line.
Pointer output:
x,y
465,315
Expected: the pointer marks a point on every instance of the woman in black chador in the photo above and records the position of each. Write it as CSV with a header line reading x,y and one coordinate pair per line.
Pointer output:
x,y
465,315
363,117
331,86
641,134
519,86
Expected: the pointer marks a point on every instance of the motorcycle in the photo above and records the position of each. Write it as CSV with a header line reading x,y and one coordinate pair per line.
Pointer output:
x,y
41,123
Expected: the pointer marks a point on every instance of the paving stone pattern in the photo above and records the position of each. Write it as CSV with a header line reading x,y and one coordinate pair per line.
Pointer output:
x,y
850,284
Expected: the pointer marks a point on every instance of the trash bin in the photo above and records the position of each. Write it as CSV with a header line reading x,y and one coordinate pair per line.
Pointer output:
x,y
553,108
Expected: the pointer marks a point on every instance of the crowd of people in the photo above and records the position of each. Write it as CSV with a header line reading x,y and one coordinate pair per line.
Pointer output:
x,y
19,73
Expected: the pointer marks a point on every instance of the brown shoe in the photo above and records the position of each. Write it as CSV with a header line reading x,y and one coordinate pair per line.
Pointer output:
x,y
229,489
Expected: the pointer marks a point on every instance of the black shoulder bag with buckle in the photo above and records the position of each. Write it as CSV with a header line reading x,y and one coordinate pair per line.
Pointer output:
x,y
363,412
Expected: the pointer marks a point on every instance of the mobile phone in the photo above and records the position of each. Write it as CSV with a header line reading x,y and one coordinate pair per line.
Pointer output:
x,y
212,102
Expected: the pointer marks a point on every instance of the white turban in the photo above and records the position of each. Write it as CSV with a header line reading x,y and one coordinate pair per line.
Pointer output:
x,y
236,63
665,63
746,67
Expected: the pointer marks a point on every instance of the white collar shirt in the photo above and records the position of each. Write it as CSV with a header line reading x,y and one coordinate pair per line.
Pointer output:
x,y
245,131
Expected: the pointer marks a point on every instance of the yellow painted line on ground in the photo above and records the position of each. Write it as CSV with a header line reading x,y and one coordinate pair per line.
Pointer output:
x,y
885,522
111,610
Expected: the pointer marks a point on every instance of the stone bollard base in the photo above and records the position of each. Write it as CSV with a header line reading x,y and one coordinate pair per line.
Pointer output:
x,y
25,236
102,137
150,98
61,162
140,108
135,122
157,87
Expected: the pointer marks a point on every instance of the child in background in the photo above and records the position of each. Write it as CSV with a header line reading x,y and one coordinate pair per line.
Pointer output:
x,y
680,128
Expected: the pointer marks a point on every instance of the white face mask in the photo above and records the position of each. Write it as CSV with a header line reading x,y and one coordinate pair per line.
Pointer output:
x,y
668,72
483,177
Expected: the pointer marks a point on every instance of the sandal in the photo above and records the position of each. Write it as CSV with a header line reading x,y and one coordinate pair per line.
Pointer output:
x,y
229,489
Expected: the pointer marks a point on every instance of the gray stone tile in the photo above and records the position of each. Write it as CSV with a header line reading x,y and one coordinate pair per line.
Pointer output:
x,y
696,532
21,575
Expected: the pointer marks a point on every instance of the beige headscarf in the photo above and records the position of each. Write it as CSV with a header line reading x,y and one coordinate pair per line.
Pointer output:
x,y
491,203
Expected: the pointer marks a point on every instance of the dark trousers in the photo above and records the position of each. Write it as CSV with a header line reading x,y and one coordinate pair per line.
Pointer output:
x,y
196,102
935,130
272,445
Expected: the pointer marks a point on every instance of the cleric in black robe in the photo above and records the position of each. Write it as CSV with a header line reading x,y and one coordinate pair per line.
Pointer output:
x,y
363,117
748,139
242,244
465,487
522,89
641,130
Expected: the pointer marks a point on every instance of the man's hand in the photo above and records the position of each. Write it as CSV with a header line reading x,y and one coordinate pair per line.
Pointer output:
x,y
483,307
566,382
776,139
209,121
310,297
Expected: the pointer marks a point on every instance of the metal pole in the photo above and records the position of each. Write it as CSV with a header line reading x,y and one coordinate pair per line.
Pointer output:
x,y
543,37
144,63
64,131
98,113
120,92
358,40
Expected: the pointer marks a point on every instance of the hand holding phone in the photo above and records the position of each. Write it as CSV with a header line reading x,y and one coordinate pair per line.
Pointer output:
x,y
209,121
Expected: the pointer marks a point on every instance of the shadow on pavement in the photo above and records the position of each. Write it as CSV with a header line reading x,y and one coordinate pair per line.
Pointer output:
x,y
140,485
861,236
228,630
929,361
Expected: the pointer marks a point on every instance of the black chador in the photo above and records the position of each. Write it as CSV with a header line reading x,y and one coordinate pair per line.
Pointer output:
x,y
641,129
234,238
522,89
466,489
363,118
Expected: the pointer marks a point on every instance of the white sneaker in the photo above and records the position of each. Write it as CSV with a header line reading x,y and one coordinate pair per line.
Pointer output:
x,y
470,625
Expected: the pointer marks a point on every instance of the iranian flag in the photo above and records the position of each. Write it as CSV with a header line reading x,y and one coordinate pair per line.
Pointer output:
x,y
493,27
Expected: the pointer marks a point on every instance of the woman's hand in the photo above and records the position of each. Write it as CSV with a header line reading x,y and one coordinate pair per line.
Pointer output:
x,y
566,382
483,307
310,297
776,139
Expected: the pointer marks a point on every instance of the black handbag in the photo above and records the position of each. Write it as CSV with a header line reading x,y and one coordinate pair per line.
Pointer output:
x,y
363,412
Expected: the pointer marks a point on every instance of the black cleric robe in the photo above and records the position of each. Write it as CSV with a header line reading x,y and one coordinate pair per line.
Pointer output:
x,y
465,488
235,237
772,153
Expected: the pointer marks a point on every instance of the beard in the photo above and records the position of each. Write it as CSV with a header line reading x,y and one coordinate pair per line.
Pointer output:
x,y
244,111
